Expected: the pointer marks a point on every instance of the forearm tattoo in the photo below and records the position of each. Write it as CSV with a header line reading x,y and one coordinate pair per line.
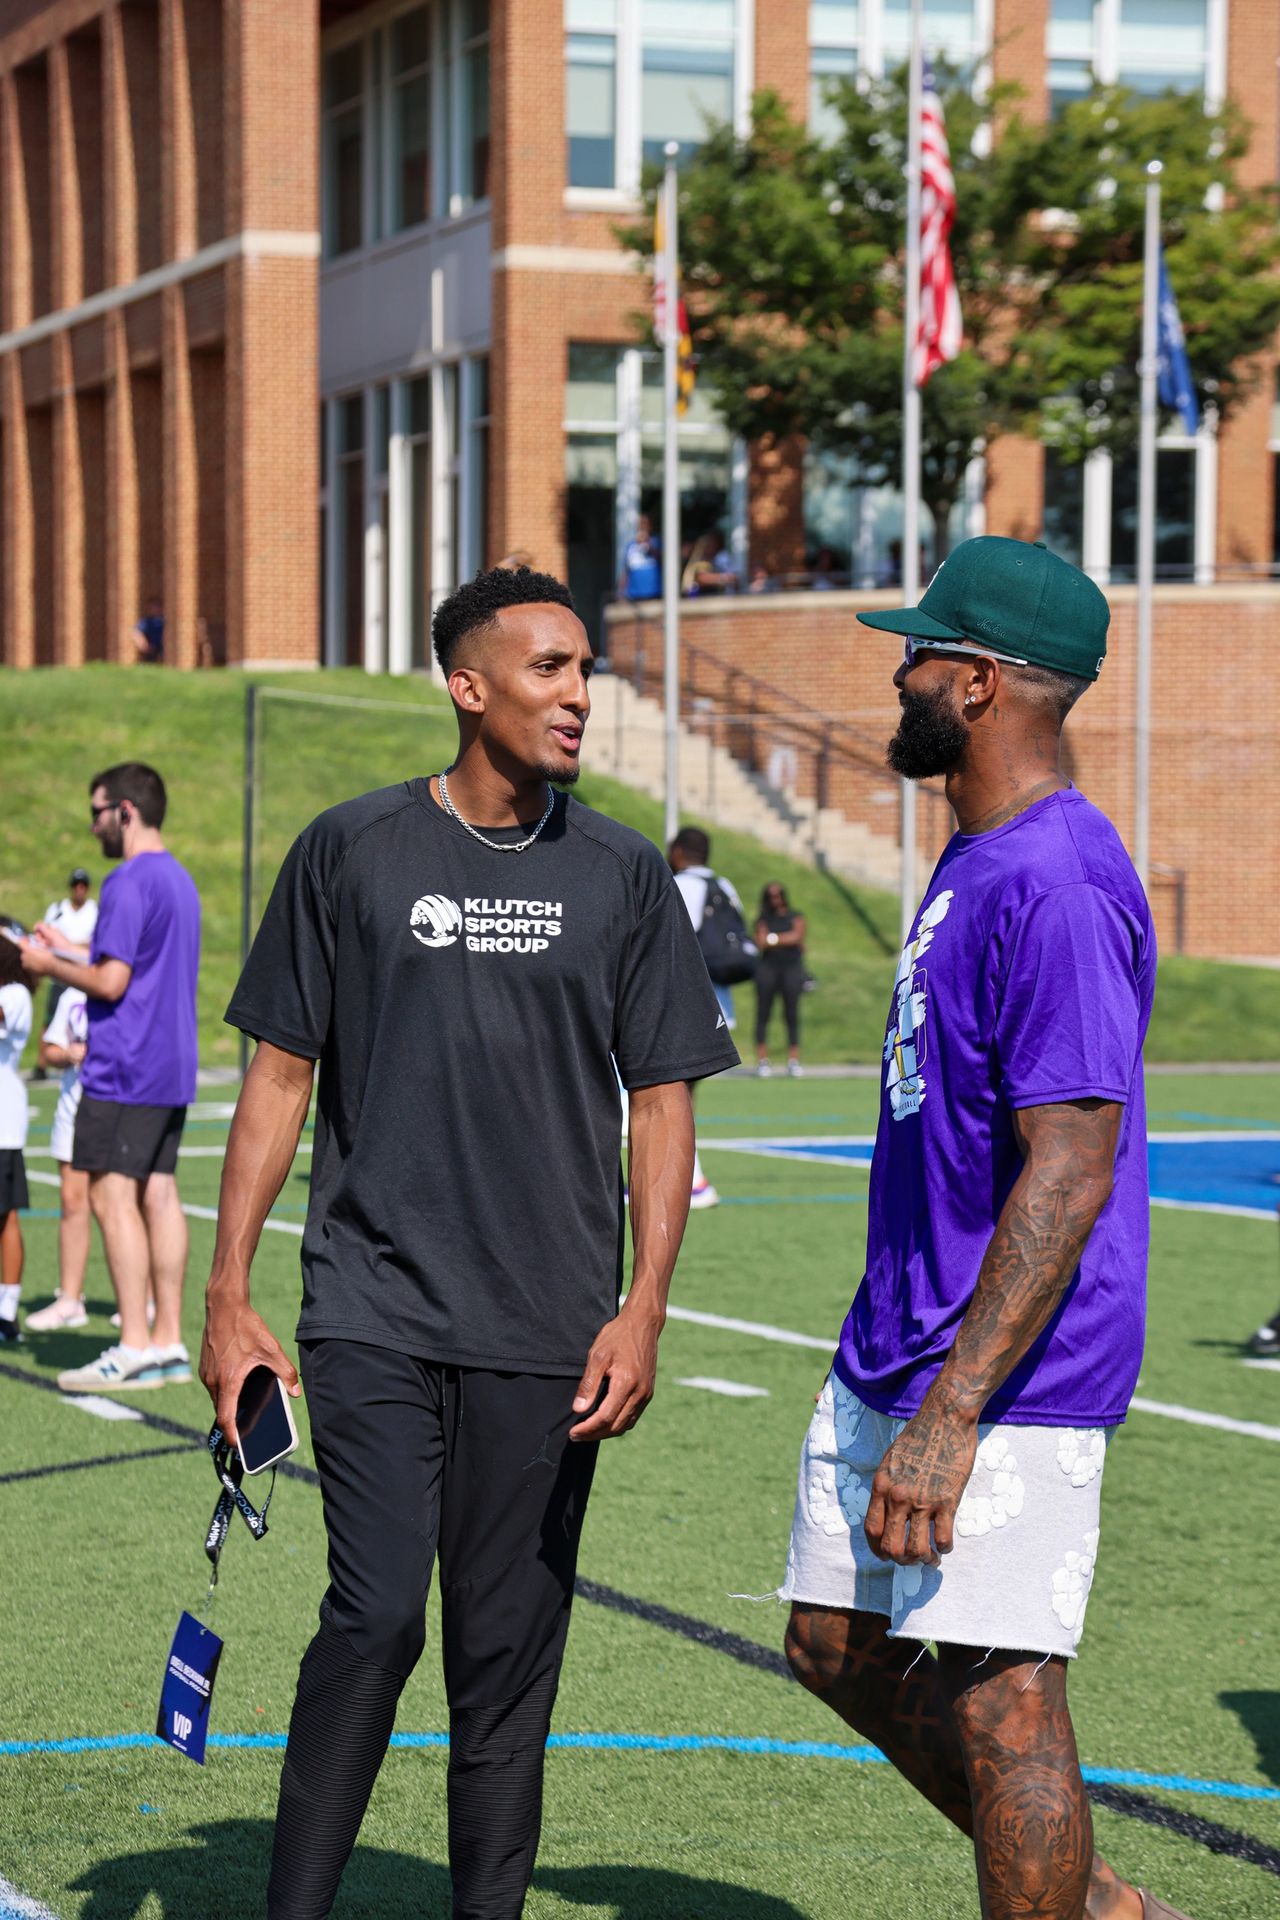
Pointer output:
x,y
1036,1248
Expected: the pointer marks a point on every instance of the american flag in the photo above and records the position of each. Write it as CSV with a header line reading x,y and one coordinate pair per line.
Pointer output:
x,y
941,330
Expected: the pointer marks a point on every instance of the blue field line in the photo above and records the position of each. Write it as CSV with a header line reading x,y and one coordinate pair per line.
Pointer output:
x,y
647,1743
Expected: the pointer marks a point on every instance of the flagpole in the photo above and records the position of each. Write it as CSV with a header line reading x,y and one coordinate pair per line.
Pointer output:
x,y
1148,368
911,433
670,500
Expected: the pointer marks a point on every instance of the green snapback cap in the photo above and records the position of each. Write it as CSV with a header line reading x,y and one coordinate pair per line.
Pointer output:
x,y
1014,596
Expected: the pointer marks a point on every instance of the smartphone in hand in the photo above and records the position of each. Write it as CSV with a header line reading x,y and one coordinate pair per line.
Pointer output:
x,y
264,1421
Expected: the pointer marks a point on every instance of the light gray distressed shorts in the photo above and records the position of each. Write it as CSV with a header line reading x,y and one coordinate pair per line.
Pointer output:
x,y
1026,1533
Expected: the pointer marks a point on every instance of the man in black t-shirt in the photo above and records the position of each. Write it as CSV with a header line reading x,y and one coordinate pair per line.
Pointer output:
x,y
466,956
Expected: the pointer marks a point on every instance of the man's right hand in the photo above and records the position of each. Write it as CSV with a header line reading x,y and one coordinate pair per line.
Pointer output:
x,y
236,1340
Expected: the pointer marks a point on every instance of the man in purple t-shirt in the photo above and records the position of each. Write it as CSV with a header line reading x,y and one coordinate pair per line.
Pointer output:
x,y
949,1481
139,1075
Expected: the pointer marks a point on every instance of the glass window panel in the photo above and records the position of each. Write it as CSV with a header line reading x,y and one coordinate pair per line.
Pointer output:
x,y
592,392
591,460
344,74
1153,81
1153,31
1071,29
420,405
410,40
948,28
482,389
476,156
708,20
682,87
351,424
475,18
591,93
351,487
344,181
702,410
1068,81
411,168
704,487
834,20
1062,525
381,427
591,16
826,65
1175,515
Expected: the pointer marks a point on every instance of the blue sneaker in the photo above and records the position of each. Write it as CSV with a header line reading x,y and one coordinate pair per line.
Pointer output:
x,y
174,1365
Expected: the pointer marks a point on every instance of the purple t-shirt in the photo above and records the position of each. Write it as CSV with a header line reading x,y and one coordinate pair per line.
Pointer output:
x,y
1028,979
142,1048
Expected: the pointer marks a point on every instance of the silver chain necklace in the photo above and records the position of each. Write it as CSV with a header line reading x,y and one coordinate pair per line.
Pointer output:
x,y
497,846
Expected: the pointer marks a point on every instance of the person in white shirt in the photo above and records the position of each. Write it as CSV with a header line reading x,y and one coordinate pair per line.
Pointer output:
x,y
67,927
687,856
15,1027
62,1047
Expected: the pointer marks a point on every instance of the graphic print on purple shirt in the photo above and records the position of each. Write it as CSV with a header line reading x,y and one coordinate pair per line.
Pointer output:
x,y
142,1048
1028,979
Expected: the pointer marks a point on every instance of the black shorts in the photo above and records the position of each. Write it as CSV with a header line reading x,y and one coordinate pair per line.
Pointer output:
x,y
13,1180
111,1137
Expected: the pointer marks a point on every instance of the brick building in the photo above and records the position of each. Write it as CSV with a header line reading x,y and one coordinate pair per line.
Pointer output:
x,y
220,217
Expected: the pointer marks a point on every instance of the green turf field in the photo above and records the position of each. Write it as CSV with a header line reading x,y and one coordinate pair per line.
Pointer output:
x,y
63,725
1177,1679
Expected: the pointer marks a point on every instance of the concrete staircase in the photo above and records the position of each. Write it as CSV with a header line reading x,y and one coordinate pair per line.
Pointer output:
x,y
625,740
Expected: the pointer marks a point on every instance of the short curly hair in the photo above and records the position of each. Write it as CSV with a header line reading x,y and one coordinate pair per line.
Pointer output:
x,y
478,603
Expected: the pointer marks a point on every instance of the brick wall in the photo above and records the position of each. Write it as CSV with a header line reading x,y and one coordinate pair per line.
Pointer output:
x,y
1215,801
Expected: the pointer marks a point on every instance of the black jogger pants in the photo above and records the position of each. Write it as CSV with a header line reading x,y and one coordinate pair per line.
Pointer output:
x,y
420,1461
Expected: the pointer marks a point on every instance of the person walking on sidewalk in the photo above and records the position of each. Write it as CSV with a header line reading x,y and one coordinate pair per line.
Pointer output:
x,y
139,1075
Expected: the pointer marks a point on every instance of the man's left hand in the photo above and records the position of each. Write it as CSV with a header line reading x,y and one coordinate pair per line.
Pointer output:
x,y
625,1353
918,1486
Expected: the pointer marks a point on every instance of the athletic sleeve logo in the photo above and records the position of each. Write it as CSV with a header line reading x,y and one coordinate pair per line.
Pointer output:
x,y
441,919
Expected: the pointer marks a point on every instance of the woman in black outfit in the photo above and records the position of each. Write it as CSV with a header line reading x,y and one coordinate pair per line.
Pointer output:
x,y
780,970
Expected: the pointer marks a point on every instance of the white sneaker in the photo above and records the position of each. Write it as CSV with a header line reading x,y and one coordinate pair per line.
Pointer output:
x,y
116,1367
151,1315
763,1070
703,1196
175,1364
794,1070
62,1311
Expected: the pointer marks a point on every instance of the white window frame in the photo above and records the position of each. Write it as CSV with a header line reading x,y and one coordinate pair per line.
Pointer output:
x,y
868,42
1105,58
627,79
630,434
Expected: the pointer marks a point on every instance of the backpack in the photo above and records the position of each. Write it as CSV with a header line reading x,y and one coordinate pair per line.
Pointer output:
x,y
728,949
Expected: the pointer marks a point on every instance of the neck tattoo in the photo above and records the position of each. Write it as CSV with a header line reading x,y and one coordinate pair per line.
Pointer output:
x,y
497,846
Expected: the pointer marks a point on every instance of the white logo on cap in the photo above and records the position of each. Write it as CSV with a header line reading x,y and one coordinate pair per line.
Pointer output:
x,y
442,916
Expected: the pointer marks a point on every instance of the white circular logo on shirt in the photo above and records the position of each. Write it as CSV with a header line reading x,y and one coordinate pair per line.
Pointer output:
x,y
441,919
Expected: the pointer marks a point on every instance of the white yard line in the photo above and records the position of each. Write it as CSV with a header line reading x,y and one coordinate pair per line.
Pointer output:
x,y
20,1906
1216,1206
1263,1366
1253,1429
104,1409
761,1330
731,1389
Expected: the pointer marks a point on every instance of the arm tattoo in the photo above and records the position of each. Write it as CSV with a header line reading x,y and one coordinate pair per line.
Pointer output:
x,y
1041,1233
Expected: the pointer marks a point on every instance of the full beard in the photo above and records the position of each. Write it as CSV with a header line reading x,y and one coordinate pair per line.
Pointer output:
x,y
931,735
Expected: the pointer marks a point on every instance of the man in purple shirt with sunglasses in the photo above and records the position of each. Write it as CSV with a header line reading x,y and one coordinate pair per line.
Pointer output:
x,y
949,1482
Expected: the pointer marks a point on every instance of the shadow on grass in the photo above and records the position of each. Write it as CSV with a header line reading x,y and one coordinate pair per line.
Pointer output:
x,y
858,909
1259,1714
222,1875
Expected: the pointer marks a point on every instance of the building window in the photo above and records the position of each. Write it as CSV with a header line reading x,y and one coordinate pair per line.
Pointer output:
x,y
613,468
421,532
853,527
640,73
590,109
1150,45
406,128
344,147
1062,524
478,472
1175,557
350,635
874,36
411,197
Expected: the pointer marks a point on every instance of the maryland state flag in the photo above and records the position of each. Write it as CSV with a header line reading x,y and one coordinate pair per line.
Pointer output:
x,y
685,374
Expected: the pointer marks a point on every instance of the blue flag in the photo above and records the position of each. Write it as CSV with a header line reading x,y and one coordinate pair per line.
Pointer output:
x,y
1176,388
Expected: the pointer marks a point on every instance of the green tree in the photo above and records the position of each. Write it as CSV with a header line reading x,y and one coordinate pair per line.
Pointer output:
x,y
791,250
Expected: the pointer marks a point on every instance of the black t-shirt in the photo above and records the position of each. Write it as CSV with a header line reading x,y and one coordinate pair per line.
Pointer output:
x,y
780,956
464,1005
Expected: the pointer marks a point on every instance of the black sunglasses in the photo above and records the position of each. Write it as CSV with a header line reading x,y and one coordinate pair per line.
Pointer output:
x,y
95,813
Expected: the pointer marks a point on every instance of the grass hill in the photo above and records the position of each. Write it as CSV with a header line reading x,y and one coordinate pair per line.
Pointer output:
x,y
62,726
